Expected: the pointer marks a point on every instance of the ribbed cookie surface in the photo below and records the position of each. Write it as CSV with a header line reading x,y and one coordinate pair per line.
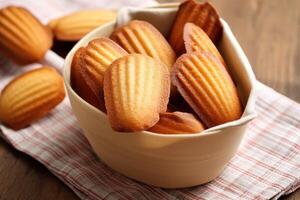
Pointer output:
x,y
74,26
142,37
98,55
136,90
203,15
23,38
177,123
207,87
195,39
80,85
30,96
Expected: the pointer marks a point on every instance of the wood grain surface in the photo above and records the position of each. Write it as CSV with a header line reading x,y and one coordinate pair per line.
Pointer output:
x,y
269,33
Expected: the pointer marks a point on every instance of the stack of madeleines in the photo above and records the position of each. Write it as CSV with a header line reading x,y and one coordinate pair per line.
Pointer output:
x,y
142,80
137,76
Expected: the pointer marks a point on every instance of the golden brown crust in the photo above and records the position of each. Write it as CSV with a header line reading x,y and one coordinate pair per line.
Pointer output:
x,y
136,90
207,87
203,15
23,38
30,96
97,57
79,84
142,37
52,23
74,26
177,123
195,39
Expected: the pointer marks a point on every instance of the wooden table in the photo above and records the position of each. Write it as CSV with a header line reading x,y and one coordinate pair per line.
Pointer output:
x,y
269,33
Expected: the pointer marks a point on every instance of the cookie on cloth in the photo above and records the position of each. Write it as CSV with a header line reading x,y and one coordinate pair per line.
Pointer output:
x,y
30,97
24,39
74,26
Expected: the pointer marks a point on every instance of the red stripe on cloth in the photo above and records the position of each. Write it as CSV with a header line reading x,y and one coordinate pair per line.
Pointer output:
x,y
258,178
265,165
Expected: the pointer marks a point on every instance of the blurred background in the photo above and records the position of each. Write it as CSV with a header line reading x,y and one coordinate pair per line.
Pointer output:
x,y
268,31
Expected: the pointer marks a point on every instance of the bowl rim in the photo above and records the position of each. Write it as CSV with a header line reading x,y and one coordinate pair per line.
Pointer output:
x,y
249,111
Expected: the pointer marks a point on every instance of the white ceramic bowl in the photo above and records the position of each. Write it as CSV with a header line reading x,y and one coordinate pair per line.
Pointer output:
x,y
169,161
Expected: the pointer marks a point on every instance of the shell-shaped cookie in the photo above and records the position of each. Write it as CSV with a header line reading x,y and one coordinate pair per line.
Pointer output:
x,y
30,96
80,85
74,26
207,87
98,55
136,90
177,123
23,38
195,39
203,15
142,37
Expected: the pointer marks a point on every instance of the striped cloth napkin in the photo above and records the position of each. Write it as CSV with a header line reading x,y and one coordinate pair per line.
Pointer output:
x,y
266,165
